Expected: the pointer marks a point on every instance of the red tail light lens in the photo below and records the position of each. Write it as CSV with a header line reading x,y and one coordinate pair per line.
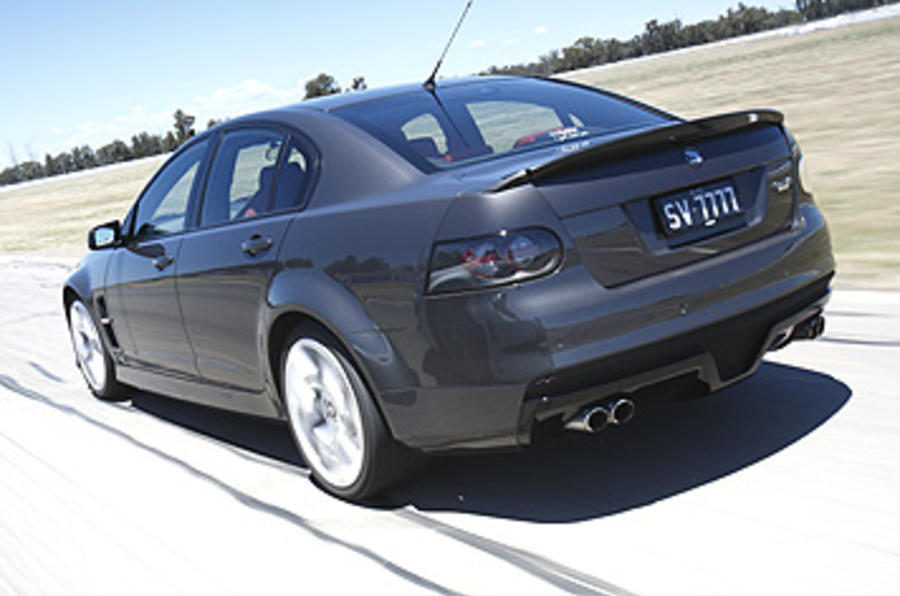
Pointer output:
x,y
488,261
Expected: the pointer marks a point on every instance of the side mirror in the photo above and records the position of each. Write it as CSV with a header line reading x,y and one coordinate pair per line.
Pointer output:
x,y
105,235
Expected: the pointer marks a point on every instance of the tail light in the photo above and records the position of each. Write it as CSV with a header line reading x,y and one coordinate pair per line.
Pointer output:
x,y
487,261
802,169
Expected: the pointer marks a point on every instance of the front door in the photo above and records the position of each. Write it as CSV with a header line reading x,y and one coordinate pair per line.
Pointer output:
x,y
141,295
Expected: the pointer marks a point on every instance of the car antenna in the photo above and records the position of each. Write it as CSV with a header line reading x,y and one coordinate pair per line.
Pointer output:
x,y
429,82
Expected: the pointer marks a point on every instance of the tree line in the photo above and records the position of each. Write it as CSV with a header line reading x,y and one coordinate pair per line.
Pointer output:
x,y
84,157
586,51
143,144
662,37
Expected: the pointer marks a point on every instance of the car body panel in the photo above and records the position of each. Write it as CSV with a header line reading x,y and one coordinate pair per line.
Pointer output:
x,y
222,292
144,298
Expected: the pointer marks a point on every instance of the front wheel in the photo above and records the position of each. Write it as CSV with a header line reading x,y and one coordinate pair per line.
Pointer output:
x,y
334,420
93,360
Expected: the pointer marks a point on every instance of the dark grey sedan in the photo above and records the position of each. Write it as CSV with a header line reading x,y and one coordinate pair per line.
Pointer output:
x,y
420,269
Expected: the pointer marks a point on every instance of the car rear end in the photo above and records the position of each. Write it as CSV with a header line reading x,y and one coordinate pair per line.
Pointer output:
x,y
603,269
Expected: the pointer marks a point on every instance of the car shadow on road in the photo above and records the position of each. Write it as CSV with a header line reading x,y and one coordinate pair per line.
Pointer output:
x,y
666,450
270,438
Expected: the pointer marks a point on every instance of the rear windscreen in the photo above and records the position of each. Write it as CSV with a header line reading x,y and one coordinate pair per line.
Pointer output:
x,y
478,121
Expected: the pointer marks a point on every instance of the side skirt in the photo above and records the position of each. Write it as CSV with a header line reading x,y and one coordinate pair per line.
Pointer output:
x,y
261,404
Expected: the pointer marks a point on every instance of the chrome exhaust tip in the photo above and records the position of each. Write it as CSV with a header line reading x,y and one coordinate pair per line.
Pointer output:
x,y
590,420
811,328
622,411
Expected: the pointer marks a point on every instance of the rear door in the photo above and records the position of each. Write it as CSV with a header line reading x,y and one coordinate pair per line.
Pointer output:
x,y
141,296
258,178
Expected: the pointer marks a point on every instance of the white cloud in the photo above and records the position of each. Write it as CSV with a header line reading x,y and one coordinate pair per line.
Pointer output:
x,y
227,102
477,43
248,96
122,126
541,30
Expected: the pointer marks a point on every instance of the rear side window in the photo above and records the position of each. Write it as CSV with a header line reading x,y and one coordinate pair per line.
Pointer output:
x,y
293,179
478,121
242,178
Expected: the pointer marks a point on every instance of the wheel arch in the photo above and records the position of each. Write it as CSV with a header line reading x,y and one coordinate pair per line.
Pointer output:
x,y
310,297
77,286
69,295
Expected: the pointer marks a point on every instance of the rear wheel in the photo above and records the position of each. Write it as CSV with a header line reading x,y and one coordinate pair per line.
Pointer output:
x,y
93,360
335,423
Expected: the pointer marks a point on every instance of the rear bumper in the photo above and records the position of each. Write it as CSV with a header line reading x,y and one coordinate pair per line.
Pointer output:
x,y
491,364
716,355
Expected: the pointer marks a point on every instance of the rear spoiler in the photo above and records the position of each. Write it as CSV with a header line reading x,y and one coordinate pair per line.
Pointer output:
x,y
678,133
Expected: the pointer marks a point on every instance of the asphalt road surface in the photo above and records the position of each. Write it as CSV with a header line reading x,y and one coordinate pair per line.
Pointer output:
x,y
788,483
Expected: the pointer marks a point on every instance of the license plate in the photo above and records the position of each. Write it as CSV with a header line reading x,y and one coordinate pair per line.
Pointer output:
x,y
712,207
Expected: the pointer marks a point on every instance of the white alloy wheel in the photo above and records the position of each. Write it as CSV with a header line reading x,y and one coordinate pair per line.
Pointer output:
x,y
89,351
324,411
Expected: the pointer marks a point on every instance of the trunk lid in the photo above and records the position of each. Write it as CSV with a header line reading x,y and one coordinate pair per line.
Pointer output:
x,y
620,200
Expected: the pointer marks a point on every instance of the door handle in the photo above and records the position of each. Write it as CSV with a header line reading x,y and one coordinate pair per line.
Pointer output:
x,y
256,244
163,262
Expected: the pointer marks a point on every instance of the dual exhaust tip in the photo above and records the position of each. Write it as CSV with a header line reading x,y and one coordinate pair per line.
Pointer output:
x,y
595,418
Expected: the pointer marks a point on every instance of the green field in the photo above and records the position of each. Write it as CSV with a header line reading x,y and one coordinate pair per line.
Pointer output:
x,y
839,90
840,93
53,216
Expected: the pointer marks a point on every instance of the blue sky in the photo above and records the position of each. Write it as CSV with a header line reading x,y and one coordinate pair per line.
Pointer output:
x,y
89,72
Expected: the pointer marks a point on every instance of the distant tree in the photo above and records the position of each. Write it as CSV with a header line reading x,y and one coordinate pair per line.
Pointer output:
x,y
15,174
105,154
212,122
664,36
77,159
820,9
50,168
550,62
9,175
323,84
586,51
183,126
137,145
114,152
169,143
31,170
84,157
614,50
154,145
145,144
64,163
358,84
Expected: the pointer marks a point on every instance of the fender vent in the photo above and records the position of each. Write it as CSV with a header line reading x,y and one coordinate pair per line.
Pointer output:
x,y
106,322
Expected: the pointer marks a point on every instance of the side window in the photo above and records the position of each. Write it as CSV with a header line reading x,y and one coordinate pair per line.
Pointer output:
x,y
509,124
163,206
242,176
293,179
425,135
